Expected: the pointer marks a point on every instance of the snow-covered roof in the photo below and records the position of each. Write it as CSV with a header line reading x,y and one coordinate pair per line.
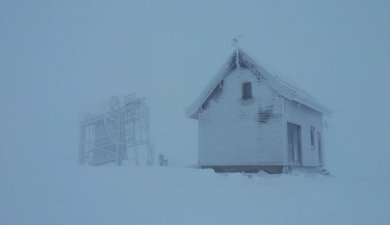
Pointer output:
x,y
282,87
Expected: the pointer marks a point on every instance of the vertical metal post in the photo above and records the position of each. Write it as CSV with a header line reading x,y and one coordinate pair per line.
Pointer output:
x,y
118,155
82,145
284,133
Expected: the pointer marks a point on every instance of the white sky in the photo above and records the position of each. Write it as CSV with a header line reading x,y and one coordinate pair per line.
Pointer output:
x,y
57,58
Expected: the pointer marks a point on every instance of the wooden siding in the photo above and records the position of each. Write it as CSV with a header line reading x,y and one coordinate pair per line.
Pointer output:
x,y
306,118
233,131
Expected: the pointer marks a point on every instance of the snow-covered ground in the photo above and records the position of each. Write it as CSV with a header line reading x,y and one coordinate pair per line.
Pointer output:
x,y
111,195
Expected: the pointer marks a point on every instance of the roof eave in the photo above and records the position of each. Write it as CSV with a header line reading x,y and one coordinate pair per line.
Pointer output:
x,y
194,109
313,105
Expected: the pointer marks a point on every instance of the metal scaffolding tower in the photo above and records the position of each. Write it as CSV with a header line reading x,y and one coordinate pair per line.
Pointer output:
x,y
117,130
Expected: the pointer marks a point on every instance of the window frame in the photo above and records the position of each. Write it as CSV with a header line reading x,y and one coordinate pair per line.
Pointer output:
x,y
246,90
312,137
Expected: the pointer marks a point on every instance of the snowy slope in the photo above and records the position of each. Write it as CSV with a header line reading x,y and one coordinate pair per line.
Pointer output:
x,y
112,195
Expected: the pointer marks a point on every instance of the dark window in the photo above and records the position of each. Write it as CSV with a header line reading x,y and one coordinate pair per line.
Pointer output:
x,y
312,140
246,90
319,146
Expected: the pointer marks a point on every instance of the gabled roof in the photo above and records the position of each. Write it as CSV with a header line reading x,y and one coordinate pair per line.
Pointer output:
x,y
241,59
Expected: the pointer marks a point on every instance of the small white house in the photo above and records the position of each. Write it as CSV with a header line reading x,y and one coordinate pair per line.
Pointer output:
x,y
251,120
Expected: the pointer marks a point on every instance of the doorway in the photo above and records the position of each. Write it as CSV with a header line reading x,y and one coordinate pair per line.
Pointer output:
x,y
294,143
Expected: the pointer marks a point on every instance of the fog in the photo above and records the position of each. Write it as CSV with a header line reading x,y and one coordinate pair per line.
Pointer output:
x,y
58,58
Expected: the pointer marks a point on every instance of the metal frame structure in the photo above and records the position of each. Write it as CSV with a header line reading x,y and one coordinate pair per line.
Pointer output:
x,y
117,130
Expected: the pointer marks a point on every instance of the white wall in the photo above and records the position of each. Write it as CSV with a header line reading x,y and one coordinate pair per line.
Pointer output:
x,y
305,117
229,130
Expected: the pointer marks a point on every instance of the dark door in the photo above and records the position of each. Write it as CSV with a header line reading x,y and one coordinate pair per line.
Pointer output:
x,y
294,143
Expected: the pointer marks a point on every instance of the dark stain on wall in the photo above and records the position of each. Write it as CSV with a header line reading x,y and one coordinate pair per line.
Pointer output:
x,y
265,114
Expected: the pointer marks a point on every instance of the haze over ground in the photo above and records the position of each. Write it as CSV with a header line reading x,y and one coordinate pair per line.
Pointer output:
x,y
58,58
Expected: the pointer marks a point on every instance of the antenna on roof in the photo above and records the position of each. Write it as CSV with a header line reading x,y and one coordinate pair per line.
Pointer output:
x,y
236,40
